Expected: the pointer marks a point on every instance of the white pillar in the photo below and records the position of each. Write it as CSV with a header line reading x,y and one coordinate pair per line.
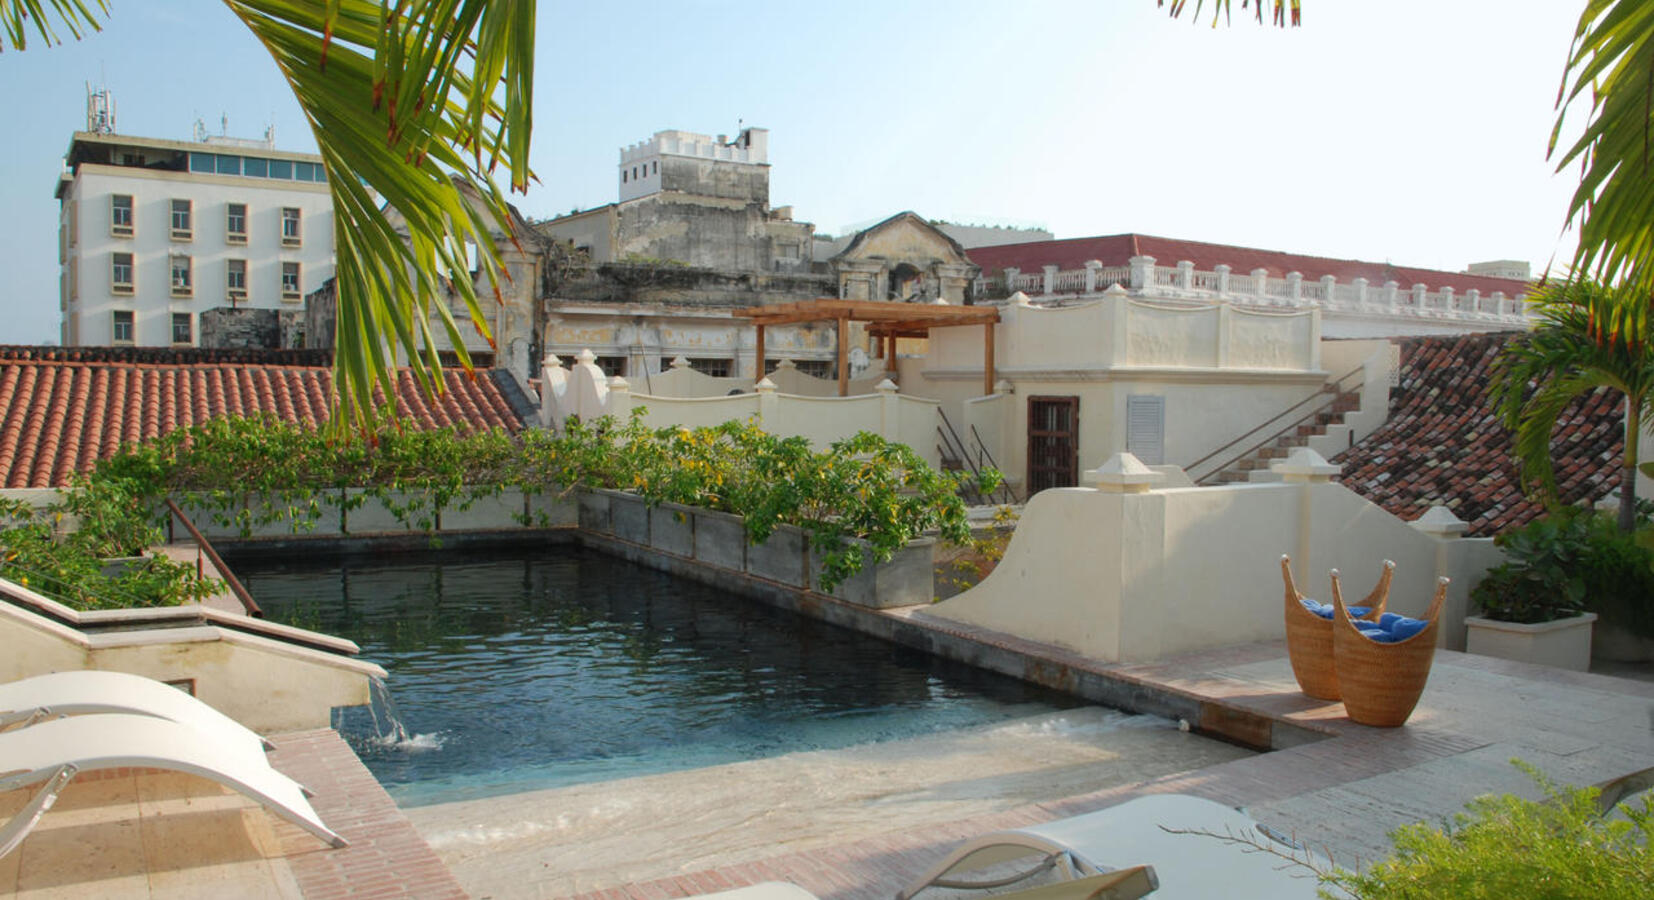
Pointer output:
x,y
1142,272
1329,286
1392,294
1418,295
1260,282
1091,267
767,400
1360,291
1050,286
1295,288
1185,274
889,410
1223,279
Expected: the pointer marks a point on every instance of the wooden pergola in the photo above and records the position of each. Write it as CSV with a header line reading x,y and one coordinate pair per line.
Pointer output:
x,y
888,321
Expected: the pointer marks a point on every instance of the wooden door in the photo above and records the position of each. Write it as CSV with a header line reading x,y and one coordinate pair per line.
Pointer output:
x,y
1053,443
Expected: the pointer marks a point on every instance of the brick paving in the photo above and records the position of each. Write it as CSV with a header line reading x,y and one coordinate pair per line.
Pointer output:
x,y
1340,785
386,857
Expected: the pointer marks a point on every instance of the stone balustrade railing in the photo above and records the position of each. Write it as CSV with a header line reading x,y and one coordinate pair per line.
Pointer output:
x,y
1257,288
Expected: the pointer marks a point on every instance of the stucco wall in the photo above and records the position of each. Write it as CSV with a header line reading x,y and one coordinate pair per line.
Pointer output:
x,y
1141,576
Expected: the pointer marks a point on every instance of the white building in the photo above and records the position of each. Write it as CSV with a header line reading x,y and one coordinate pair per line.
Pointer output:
x,y
154,232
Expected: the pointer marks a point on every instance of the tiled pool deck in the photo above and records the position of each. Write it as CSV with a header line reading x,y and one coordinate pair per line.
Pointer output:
x,y
1340,785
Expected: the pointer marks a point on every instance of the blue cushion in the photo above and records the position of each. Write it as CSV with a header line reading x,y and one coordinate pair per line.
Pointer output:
x,y
1389,619
1357,612
1321,609
1404,628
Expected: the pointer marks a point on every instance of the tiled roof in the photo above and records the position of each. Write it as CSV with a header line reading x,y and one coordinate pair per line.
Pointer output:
x,y
62,409
1443,444
1118,249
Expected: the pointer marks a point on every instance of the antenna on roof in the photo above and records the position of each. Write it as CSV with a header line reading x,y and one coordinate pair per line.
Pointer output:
x,y
100,110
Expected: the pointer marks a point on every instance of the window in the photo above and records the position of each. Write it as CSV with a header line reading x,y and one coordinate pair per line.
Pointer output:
x,y
612,365
281,168
120,215
622,176
122,331
253,167
656,167
235,279
229,165
289,281
816,368
182,284
181,330
181,228
717,368
203,162
120,273
235,223
290,226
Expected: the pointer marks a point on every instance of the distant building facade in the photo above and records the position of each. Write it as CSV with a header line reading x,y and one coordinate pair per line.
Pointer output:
x,y
152,233
695,200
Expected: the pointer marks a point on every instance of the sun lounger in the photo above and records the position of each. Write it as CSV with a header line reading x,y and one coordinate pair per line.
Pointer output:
x,y
52,753
82,692
1125,884
1187,865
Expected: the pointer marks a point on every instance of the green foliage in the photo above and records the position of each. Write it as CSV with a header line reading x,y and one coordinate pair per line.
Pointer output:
x,y
1562,847
983,551
1565,563
859,501
73,566
1587,336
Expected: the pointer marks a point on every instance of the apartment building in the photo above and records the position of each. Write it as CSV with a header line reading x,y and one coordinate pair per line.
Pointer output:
x,y
152,233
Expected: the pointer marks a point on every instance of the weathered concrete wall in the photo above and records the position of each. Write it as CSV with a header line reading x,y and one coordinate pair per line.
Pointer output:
x,y
244,327
746,182
712,232
683,286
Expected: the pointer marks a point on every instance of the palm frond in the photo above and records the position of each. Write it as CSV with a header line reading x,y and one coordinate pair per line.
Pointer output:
x,y
1611,62
1221,10
19,17
414,104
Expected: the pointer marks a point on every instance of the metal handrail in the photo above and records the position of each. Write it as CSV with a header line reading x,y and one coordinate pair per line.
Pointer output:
x,y
204,546
953,444
1338,391
982,449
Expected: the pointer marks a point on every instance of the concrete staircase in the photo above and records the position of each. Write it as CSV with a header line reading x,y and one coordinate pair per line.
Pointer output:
x,y
1325,432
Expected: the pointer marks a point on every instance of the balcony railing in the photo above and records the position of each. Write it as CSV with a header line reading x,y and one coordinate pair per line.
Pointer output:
x,y
1182,281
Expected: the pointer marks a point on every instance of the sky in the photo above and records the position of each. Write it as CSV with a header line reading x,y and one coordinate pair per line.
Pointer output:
x,y
1409,131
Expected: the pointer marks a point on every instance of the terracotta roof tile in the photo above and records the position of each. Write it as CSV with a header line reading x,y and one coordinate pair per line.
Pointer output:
x,y
1118,249
62,409
1443,444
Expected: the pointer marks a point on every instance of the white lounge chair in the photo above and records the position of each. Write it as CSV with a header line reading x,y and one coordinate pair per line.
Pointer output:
x,y
1123,884
81,692
52,753
1186,865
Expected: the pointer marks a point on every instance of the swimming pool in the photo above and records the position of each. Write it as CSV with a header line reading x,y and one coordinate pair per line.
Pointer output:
x,y
529,668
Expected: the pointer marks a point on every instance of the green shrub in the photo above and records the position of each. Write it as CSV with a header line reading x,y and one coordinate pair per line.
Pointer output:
x,y
1567,562
1505,847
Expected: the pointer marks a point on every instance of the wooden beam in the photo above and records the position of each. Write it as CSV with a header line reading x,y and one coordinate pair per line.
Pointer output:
x,y
987,359
760,349
844,356
890,353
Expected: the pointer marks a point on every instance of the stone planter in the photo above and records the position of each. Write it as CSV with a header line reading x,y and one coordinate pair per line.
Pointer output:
x,y
784,557
553,509
486,513
720,540
907,579
629,517
593,514
1612,643
1564,643
672,529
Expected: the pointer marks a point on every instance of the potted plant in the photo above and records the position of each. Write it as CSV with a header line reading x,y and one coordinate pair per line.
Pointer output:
x,y
1533,607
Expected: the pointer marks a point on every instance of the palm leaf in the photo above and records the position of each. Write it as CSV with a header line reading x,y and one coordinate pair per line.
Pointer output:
x,y
1221,10
19,17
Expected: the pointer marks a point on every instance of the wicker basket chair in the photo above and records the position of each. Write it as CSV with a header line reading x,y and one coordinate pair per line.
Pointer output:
x,y
1383,682
1309,637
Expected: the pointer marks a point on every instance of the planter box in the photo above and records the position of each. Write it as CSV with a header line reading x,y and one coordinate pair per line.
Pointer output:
x,y
553,510
629,517
1612,643
784,557
908,579
720,540
486,513
672,529
594,512
1564,643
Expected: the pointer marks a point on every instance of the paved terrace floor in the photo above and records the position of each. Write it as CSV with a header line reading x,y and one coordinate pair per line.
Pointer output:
x,y
1343,792
1340,785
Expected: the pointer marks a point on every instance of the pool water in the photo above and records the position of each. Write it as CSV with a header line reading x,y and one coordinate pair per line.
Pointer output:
x,y
528,668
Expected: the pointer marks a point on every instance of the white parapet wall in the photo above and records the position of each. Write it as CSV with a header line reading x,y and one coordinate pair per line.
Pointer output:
x,y
1123,573
583,390
270,678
